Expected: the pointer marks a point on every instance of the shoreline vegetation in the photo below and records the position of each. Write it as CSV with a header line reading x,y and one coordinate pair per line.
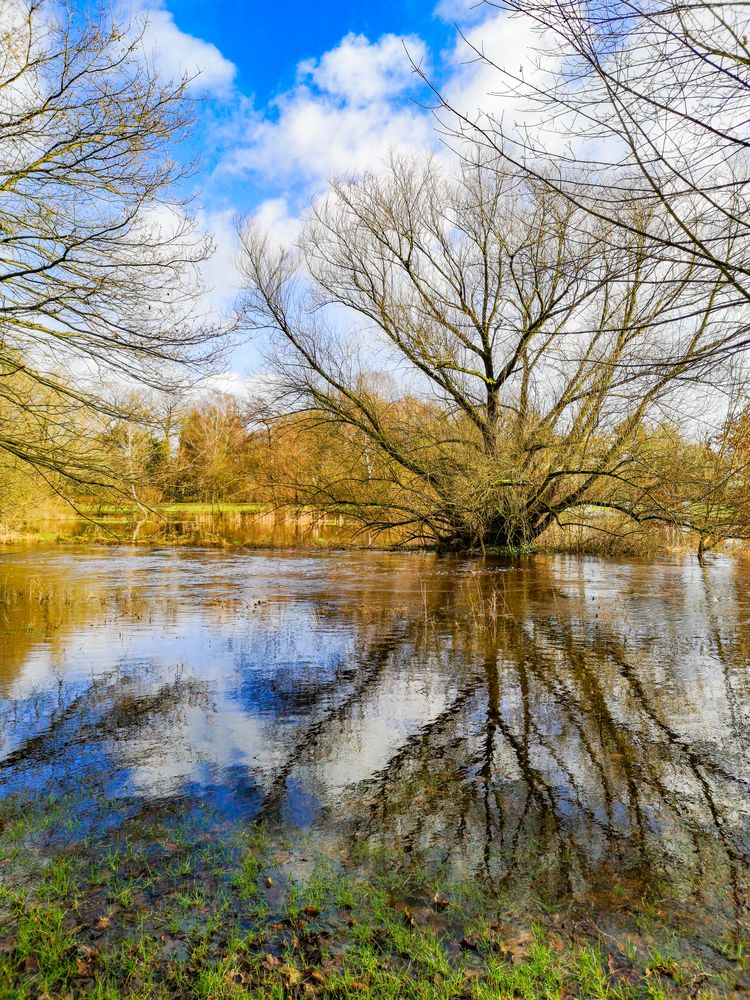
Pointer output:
x,y
255,525
160,906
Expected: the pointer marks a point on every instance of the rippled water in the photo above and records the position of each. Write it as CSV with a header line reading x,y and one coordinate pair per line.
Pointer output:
x,y
563,724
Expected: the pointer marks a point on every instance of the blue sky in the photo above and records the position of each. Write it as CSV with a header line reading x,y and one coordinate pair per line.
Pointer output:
x,y
292,94
266,41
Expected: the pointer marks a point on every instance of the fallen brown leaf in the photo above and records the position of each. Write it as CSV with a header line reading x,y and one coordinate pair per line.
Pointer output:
x,y
661,969
292,976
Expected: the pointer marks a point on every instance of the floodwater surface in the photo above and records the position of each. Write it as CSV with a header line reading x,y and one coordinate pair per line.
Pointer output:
x,y
564,727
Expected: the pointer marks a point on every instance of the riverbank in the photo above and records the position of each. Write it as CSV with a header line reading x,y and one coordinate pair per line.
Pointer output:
x,y
194,525
159,906
253,526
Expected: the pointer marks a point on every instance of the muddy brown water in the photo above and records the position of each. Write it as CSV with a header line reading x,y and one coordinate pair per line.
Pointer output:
x,y
572,727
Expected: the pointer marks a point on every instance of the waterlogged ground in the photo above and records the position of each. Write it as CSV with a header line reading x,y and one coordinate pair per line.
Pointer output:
x,y
196,524
249,774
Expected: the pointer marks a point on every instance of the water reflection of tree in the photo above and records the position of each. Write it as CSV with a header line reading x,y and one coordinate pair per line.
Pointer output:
x,y
562,753
580,732
68,735
573,746
49,603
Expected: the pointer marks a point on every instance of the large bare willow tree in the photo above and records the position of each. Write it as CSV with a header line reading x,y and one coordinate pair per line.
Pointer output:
x,y
495,355
98,261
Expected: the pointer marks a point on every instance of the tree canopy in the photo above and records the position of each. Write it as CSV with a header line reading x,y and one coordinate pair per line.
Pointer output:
x,y
99,261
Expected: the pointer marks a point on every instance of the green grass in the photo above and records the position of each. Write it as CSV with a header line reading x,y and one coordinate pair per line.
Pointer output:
x,y
379,956
168,905
328,935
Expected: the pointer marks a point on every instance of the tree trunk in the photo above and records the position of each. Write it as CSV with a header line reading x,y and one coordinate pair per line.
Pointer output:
x,y
499,533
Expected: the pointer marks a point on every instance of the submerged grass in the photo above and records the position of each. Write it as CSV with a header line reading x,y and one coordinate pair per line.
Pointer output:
x,y
167,905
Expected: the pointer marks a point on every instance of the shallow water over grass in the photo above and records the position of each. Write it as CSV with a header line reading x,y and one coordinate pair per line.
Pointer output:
x,y
485,757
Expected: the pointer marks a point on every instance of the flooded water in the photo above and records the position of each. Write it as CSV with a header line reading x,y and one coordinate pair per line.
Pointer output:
x,y
571,727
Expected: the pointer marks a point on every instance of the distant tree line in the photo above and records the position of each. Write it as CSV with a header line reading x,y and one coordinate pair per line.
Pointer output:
x,y
224,450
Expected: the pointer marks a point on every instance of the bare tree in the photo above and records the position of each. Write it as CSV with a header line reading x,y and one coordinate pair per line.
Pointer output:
x,y
636,112
525,344
98,260
712,475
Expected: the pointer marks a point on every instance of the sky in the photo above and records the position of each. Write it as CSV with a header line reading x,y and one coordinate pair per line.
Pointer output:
x,y
266,41
292,94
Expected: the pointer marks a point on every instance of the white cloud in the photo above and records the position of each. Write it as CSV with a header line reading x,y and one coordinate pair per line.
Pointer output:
x,y
226,383
360,72
345,112
273,217
219,271
472,84
352,105
176,52
480,91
